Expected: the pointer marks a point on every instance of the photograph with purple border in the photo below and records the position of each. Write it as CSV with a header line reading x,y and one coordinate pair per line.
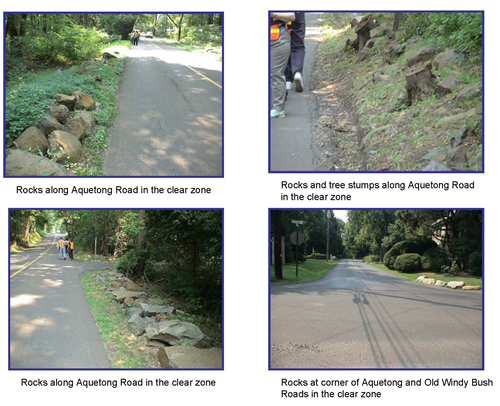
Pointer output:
x,y
114,94
116,289
376,91
373,289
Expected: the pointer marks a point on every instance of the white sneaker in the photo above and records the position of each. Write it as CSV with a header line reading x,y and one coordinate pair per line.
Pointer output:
x,y
288,85
297,79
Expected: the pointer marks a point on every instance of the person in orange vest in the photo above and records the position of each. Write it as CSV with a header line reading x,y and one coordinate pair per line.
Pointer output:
x,y
280,51
71,248
62,250
136,37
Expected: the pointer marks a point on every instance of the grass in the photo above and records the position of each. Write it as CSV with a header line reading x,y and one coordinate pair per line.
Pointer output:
x,y
469,280
124,349
309,271
35,238
214,53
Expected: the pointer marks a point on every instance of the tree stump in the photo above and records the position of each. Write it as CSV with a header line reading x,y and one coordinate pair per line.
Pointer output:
x,y
363,30
419,80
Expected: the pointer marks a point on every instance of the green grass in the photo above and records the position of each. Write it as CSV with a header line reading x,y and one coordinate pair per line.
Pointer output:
x,y
110,321
309,271
35,238
469,280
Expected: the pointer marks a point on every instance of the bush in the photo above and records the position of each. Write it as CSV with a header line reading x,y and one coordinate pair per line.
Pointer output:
x,y
408,263
371,258
127,263
476,264
407,247
434,259
316,255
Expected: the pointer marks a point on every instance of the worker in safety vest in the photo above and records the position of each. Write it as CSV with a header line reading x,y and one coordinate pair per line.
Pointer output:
x,y
62,250
71,248
280,51
295,64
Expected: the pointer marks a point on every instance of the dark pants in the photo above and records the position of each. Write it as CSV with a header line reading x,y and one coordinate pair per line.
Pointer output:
x,y
70,253
298,49
136,41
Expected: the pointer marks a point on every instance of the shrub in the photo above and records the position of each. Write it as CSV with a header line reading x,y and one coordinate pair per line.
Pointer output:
x,y
127,263
316,255
476,264
434,259
407,247
371,258
408,263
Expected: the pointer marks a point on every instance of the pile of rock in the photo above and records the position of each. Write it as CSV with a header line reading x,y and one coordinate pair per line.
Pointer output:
x,y
58,136
450,285
176,340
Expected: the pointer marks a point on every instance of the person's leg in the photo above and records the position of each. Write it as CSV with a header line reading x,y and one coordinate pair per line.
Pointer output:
x,y
280,51
298,48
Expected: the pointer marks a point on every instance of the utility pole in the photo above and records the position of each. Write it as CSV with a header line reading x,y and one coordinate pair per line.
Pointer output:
x,y
328,217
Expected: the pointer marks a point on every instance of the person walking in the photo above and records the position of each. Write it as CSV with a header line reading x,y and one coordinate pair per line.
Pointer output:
x,y
71,247
293,72
62,250
280,52
136,37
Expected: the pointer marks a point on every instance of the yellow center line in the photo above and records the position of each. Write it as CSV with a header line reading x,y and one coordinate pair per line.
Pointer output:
x,y
36,259
193,69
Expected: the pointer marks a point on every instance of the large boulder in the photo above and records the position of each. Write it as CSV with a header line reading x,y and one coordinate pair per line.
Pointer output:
x,y
23,163
60,113
444,59
131,286
148,310
456,158
65,147
76,126
469,93
84,100
121,295
448,84
136,325
89,121
65,100
455,284
50,124
175,332
423,54
33,140
187,357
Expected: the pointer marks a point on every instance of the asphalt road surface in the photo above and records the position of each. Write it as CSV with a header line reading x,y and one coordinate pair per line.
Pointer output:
x,y
51,325
293,147
358,316
169,121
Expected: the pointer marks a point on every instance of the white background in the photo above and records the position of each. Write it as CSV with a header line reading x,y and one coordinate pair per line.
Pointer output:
x,y
246,193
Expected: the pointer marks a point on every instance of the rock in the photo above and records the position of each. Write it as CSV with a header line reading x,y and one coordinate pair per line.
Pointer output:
x,y
109,55
363,55
455,284
89,121
440,283
132,286
421,278
428,281
121,295
129,301
378,31
50,124
151,310
471,287
435,167
100,280
150,320
355,21
444,59
76,126
136,324
60,113
116,285
455,118
186,357
161,316
423,54
381,78
469,93
447,85
65,100
65,147
58,72
175,332
458,138
456,158
122,289
432,154
131,311
33,140
23,163
84,100
479,109
371,43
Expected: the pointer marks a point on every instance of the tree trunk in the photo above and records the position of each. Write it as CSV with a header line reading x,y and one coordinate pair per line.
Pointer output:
x,y
180,28
418,81
398,19
278,260
141,243
363,30
106,233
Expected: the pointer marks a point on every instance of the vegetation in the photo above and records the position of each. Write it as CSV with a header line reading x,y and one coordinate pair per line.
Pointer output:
x,y
28,228
408,263
369,88
176,252
309,271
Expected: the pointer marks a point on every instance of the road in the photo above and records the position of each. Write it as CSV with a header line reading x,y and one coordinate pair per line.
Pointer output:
x,y
293,145
169,120
51,325
358,316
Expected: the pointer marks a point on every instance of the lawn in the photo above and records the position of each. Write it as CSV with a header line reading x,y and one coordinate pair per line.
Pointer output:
x,y
469,280
309,271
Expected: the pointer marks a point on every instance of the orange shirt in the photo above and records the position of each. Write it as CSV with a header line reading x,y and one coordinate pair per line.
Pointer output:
x,y
61,243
